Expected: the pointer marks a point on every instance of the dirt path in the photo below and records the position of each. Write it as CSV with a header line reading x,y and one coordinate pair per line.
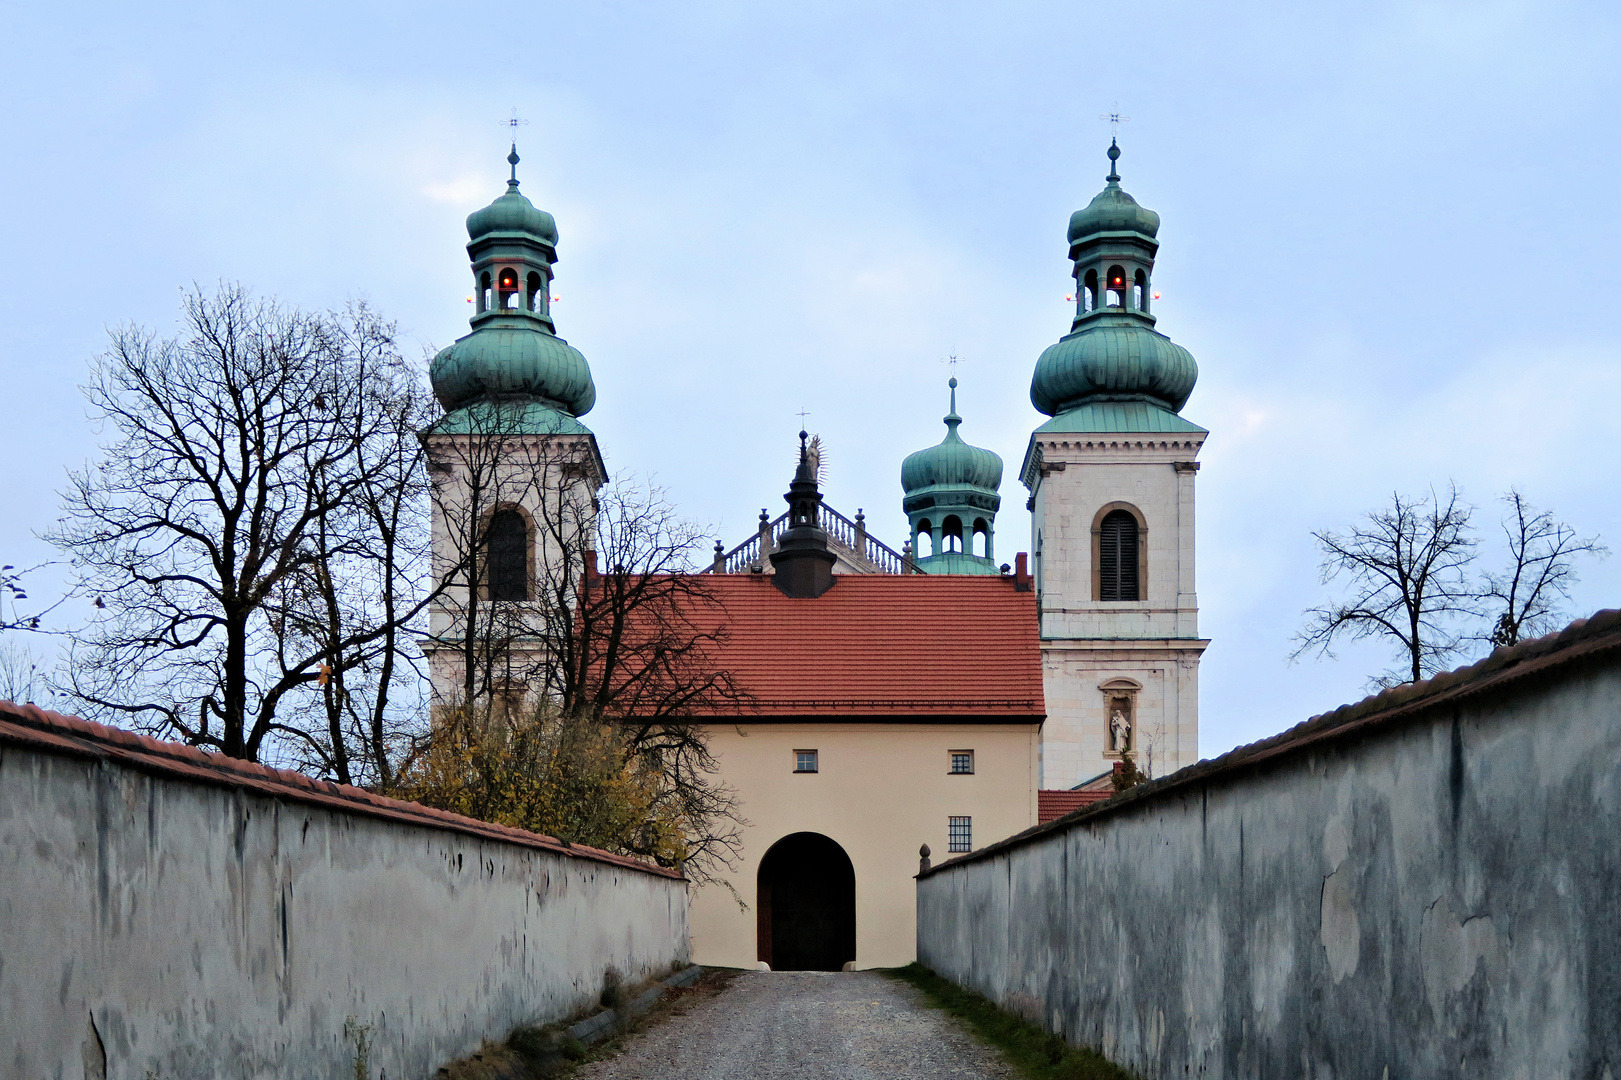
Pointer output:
x,y
805,1025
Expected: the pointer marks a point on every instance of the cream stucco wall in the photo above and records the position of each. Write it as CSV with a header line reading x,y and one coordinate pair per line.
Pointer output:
x,y
882,790
1085,642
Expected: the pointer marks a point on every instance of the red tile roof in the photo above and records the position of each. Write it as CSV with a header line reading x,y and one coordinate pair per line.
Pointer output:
x,y
904,647
52,733
1052,805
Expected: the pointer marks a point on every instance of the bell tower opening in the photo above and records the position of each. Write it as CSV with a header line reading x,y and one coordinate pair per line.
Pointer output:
x,y
806,905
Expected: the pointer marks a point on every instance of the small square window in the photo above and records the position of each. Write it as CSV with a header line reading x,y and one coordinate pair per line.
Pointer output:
x,y
961,835
805,761
962,761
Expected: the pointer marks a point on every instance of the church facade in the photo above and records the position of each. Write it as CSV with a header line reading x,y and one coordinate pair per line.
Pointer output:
x,y
858,742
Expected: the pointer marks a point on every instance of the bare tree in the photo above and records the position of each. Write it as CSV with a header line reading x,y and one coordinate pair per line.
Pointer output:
x,y
600,625
244,456
1527,596
13,592
1407,572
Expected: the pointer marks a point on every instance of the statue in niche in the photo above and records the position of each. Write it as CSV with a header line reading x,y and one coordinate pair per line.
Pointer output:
x,y
1119,727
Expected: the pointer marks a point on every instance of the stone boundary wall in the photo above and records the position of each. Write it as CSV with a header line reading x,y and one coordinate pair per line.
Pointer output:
x,y
170,913
1424,884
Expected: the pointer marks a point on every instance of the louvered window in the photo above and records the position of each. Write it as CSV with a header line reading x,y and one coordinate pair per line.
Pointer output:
x,y
1117,557
509,551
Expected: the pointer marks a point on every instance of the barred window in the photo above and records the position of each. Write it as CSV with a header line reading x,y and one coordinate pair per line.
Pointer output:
x,y
509,556
1117,556
962,761
961,834
805,761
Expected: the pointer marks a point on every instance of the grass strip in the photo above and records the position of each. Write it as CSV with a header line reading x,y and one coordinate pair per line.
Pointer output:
x,y
1036,1053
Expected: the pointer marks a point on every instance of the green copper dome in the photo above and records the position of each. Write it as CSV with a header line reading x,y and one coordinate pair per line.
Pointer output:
x,y
1112,353
952,463
506,360
1113,211
512,213
513,353
1113,356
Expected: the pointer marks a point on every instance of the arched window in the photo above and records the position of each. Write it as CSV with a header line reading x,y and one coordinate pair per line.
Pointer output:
x,y
951,533
925,533
484,291
1117,556
535,295
1116,286
509,556
1140,292
1089,292
982,538
509,287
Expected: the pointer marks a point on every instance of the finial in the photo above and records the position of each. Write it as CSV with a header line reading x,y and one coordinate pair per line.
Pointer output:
x,y
1114,156
802,437
953,385
513,159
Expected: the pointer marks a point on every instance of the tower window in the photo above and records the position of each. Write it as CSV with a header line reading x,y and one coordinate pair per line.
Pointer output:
x,y
484,292
982,538
961,834
509,556
1089,291
925,531
1118,554
1139,291
509,288
1116,286
535,294
951,533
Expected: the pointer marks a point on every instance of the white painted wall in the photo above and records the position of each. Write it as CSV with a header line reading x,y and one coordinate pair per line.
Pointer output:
x,y
211,931
1086,642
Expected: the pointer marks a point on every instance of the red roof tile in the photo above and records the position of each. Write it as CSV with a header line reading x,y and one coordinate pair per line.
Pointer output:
x,y
1054,804
884,646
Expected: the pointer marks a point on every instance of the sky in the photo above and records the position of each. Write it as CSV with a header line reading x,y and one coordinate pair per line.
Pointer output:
x,y
1388,235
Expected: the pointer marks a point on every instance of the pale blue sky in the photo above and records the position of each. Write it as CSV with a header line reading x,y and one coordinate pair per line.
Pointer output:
x,y
1389,235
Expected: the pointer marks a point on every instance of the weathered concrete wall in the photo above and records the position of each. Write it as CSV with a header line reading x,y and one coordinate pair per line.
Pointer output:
x,y
230,925
1425,885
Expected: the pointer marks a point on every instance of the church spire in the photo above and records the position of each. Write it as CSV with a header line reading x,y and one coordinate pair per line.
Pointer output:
x,y
803,563
951,500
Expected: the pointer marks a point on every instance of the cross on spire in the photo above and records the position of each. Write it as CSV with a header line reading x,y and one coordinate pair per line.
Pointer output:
x,y
802,413
513,123
1115,119
952,361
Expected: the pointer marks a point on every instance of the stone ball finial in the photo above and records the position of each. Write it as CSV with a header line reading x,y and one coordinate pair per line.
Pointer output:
x,y
924,852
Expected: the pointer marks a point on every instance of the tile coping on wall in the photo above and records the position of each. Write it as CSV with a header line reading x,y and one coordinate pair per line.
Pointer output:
x,y
1582,640
50,732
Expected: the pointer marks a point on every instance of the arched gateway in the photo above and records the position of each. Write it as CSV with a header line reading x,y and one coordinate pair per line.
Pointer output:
x,y
806,905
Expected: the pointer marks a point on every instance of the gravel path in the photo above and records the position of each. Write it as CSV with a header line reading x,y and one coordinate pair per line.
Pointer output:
x,y
806,1024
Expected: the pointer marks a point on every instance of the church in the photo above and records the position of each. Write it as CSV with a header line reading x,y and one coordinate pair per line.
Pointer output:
x,y
860,743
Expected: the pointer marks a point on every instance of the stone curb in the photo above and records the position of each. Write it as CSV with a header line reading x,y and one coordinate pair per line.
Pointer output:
x,y
596,1028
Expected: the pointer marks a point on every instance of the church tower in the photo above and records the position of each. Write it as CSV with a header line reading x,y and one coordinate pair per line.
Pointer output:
x,y
1111,480
951,502
514,472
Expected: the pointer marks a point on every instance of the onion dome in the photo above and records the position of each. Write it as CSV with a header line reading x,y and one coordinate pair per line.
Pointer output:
x,y
952,463
1112,352
1113,358
513,354
1112,210
512,214
508,361
951,501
